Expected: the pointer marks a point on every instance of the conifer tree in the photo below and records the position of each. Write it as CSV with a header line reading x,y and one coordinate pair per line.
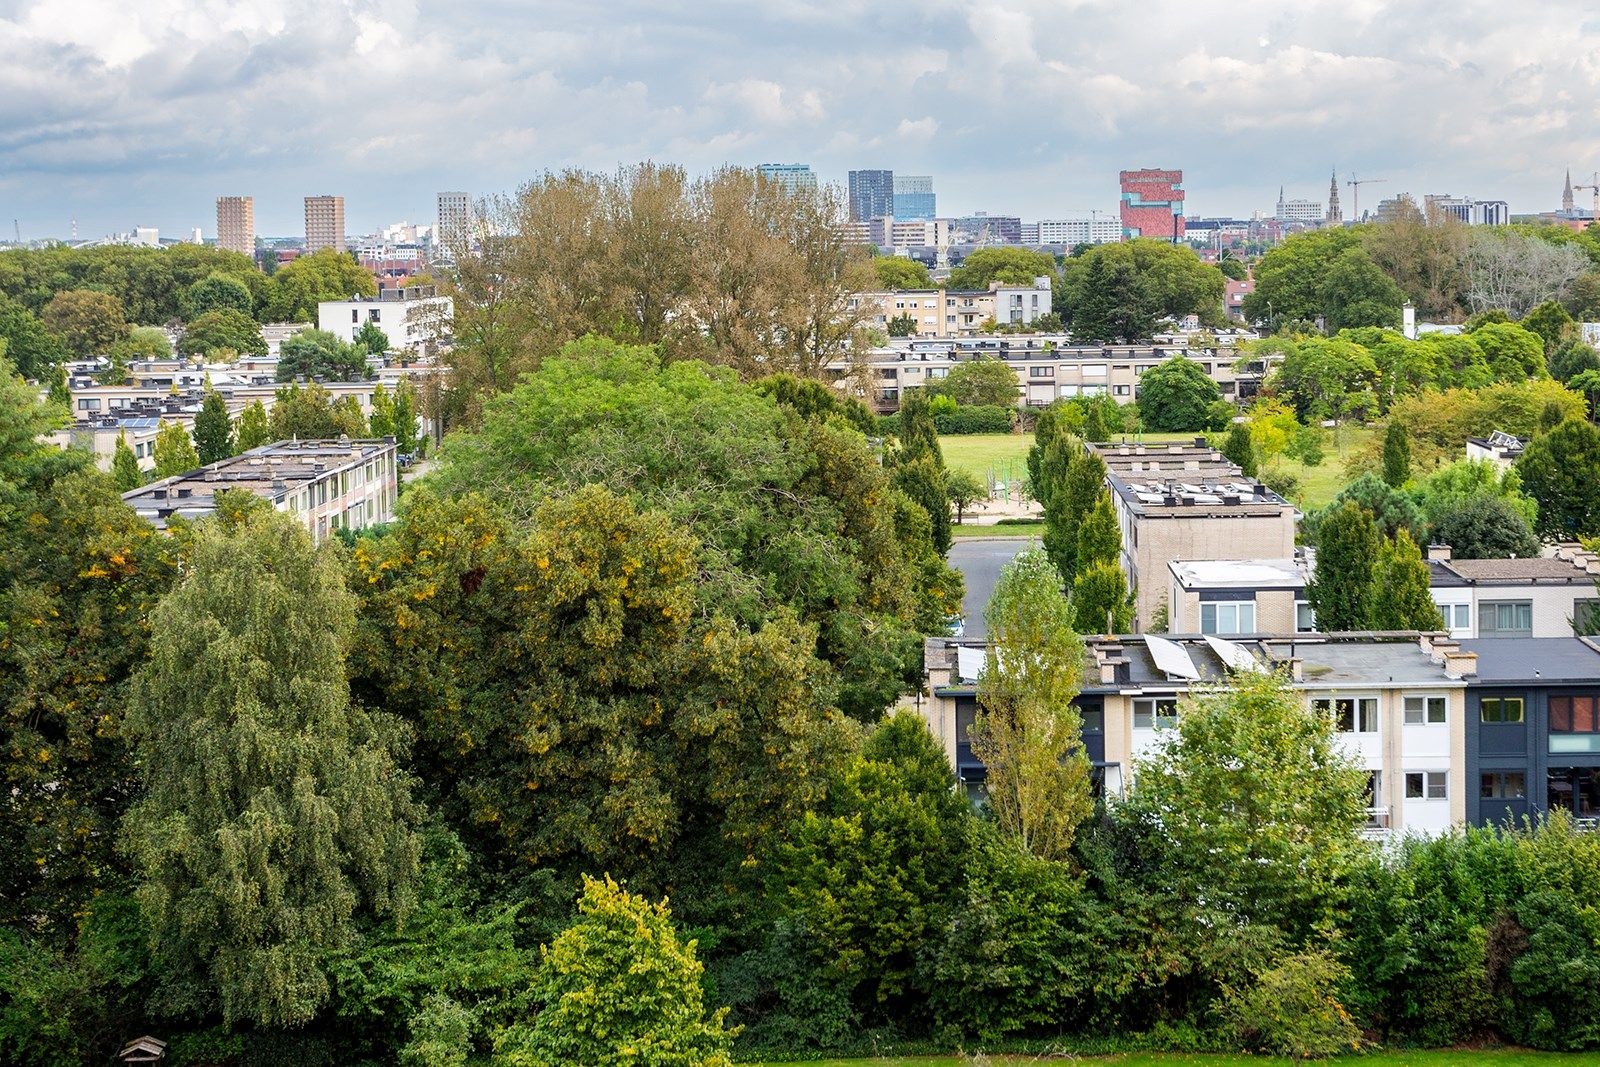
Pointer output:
x,y
213,430
1400,588
1396,455
918,435
125,466
273,809
175,452
1071,500
1101,600
382,420
1099,537
403,418
1239,448
1347,549
253,427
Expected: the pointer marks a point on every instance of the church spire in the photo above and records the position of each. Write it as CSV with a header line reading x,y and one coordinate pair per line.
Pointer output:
x,y
1335,214
1566,194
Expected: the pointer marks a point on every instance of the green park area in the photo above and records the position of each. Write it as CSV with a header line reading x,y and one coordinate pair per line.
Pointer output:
x,y
1432,1058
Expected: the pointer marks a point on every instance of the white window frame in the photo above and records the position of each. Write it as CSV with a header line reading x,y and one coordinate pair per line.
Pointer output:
x,y
1298,604
1418,709
1358,713
1238,611
1148,713
1429,785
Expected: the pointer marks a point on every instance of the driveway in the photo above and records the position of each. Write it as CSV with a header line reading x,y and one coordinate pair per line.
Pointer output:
x,y
979,560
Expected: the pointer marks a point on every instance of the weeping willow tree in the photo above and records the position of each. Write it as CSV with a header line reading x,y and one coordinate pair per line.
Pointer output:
x,y
273,810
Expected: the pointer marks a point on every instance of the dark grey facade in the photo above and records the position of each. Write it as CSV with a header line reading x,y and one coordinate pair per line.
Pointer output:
x,y
871,194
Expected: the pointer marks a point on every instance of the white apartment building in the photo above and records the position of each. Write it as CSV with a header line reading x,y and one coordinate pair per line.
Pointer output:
x,y
412,318
1094,230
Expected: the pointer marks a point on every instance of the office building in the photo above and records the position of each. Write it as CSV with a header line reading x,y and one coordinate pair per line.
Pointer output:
x,y
236,224
871,194
1466,210
914,198
1152,204
453,221
327,485
982,228
1297,210
1094,230
792,176
324,223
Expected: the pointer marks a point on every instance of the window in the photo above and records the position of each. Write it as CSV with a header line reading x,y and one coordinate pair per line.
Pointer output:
x,y
1426,785
355,314
1354,715
1500,709
1374,789
89,405
1094,720
1120,390
1585,616
1424,711
1094,370
1459,616
1305,620
1041,372
1228,617
1503,785
1574,724
1507,618
1155,714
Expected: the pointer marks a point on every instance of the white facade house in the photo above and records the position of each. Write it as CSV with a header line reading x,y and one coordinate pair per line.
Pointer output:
x,y
1094,230
411,318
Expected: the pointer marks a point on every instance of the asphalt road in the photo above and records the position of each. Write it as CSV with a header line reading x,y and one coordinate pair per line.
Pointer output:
x,y
979,560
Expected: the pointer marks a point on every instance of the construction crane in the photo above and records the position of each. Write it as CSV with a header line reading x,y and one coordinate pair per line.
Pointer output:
x,y
1355,185
1593,187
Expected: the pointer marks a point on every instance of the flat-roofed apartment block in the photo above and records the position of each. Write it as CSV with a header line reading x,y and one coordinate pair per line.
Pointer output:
x,y
1397,701
324,223
1188,502
327,485
1238,596
1048,367
236,224
1541,596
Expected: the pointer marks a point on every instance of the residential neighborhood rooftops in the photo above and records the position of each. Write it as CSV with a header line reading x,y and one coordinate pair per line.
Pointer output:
x,y
1542,659
1240,573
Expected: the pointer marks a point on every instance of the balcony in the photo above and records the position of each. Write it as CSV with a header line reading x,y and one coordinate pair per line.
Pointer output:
x,y
1376,827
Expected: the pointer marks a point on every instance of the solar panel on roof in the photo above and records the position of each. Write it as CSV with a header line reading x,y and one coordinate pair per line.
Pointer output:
x,y
969,663
1236,657
1171,658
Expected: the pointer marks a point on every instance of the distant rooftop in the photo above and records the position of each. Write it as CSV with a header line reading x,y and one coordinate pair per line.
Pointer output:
x,y
1240,573
1536,659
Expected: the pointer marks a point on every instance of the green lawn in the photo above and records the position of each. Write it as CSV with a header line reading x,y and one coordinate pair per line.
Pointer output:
x,y
1321,483
1446,1058
1002,456
1010,529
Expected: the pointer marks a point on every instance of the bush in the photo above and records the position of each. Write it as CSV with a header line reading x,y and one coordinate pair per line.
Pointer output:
x,y
962,418
1293,1009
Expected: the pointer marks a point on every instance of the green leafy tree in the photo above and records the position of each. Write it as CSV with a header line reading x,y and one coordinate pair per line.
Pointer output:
x,y
1101,599
174,450
1551,322
919,436
313,821
978,381
1561,471
1396,455
1341,590
1238,448
30,347
309,412
300,285
1094,425
372,339
1485,527
899,272
1400,588
319,354
924,482
618,988
1392,509
88,323
217,292
125,466
222,330
1120,291
403,419
1099,537
254,430
1322,274
1571,358
381,423
1513,353
213,429
1028,732
1176,396
964,489
1292,1009
1010,266
902,325
1470,482
1250,776
1320,376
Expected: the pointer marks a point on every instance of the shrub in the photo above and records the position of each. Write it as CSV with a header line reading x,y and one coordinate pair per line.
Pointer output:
x,y
1293,1009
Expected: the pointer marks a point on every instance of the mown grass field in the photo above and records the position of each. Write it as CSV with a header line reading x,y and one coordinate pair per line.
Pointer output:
x,y
1443,1058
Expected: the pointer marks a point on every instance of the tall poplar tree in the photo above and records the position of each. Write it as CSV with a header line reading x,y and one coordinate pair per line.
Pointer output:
x,y
175,452
1027,731
1072,500
253,427
1347,549
125,466
1396,455
213,430
273,808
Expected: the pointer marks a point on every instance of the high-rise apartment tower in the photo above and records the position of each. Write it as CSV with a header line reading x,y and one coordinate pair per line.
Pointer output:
x,y
236,224
324,223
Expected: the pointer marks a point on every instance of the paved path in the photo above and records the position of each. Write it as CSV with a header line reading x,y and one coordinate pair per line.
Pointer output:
x,y
979,560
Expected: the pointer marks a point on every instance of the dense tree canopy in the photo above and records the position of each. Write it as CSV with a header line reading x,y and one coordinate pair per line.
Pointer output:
x,y
1010,266
89,323
302,283
319,354
1120,291
221,331
151,284
1177,395
1326,275
898,272
979,381
1560,470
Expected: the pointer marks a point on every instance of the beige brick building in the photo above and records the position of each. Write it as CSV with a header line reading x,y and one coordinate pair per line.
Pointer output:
x,y
236,224
324,223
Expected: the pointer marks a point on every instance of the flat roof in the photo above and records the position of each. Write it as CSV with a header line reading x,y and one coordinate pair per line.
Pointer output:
x,y
1239,573
1536,659
1529,569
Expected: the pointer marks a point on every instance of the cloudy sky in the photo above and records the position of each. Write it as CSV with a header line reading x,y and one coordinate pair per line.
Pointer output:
x,y
125,112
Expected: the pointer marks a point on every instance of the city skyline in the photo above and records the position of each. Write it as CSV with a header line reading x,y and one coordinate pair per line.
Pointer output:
x,y
121,116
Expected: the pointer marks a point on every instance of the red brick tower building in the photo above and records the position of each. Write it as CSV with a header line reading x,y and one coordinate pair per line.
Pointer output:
x,y
1152,204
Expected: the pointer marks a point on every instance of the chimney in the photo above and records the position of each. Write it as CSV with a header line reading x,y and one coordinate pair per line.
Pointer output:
x,y
1439,553
1297,669
1460,664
